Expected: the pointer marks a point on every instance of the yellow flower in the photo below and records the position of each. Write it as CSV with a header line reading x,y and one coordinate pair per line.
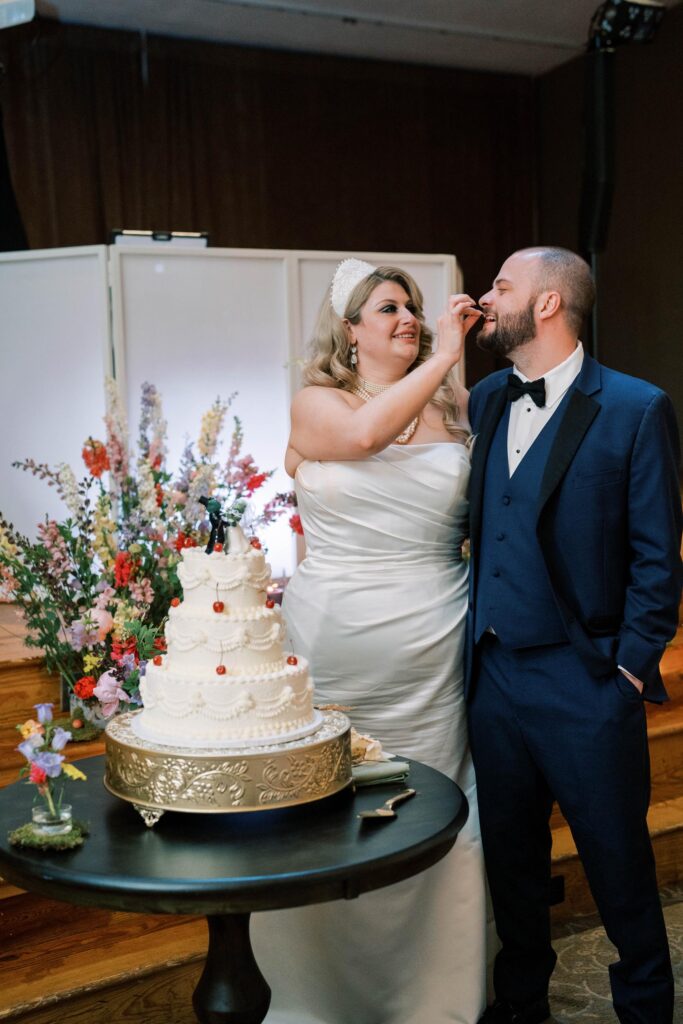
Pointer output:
x,y
73,772
90,663
104,532
6,547
31,728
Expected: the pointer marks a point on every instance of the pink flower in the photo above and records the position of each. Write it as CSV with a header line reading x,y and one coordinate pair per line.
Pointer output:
x,y
55,546
108,691
101,620
141,591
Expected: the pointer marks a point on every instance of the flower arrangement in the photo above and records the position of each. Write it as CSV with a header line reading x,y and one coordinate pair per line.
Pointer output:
x,y
43,741
95,588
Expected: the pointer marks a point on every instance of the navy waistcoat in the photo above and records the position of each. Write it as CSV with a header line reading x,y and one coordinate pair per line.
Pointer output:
x,y
513,593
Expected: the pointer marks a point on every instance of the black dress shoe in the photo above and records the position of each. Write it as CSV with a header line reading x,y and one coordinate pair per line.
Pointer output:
x,y
505,1013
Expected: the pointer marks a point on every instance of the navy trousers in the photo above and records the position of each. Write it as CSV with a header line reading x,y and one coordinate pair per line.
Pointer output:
x,y
542,728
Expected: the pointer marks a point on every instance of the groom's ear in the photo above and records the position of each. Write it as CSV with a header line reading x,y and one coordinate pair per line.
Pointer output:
x,y
548,304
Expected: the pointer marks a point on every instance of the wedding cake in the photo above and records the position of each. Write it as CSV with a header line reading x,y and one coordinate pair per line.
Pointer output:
x,y
225,680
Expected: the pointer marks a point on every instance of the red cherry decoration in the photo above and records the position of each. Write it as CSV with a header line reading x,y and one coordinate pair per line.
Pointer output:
x,y
218,607
157,659
291,660
218,547
270,604
189,543
175,602
221,670
77,723
255,543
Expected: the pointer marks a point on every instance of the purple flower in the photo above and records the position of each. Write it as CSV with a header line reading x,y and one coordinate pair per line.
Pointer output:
x,y
28,747
60,738
44,712
127,663
83,633
50,763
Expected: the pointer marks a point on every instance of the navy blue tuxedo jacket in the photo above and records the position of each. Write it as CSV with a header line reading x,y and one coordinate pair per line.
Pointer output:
x,y
608,518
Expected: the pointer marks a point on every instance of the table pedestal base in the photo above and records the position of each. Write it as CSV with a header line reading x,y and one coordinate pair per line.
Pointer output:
x,y
232,989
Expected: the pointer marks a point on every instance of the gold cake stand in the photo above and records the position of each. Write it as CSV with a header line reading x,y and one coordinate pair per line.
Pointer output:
x,y
156,778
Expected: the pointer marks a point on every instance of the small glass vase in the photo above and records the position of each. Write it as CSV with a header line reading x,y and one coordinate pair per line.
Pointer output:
x,y
90,712
47,823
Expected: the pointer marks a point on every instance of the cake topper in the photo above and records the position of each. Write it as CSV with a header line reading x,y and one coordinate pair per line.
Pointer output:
x,y
218,524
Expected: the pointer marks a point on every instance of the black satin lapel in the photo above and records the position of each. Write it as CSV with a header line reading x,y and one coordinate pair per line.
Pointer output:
x,y
580,412
489,421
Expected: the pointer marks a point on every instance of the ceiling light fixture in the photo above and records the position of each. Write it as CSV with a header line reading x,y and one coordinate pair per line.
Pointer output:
x,y
624,21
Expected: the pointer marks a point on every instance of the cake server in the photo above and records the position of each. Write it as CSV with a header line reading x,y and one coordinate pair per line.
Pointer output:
x,y
387,808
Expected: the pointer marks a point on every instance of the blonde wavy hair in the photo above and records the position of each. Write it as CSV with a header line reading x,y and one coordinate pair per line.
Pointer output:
x,y
329,364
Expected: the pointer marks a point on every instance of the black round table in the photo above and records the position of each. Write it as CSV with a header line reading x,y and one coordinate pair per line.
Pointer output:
x,y
227,865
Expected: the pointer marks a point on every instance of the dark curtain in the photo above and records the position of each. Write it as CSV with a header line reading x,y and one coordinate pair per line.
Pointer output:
x,y
12,234
267,150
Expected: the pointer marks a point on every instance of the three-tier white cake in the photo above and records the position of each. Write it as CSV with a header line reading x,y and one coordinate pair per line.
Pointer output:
x,y
225,680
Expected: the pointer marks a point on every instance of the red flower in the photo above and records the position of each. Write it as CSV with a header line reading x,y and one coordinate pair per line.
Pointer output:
x,y
160,644
255,481
179,542
119,648
295,524
36,774
84,687
160,495
95,457
124,569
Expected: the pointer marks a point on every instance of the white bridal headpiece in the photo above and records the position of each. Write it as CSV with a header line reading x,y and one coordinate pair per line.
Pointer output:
x,y
348,274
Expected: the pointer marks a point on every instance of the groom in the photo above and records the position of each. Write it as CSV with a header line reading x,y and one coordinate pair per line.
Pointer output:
x,y
576,579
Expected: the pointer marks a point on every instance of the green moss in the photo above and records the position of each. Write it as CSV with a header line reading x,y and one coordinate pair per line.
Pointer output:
x,y
25,835
88,731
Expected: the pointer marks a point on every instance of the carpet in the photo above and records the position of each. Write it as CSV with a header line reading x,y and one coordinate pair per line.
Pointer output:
x,y
579,988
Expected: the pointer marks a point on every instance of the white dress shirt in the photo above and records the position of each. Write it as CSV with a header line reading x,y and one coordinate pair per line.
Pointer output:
x,y
527,421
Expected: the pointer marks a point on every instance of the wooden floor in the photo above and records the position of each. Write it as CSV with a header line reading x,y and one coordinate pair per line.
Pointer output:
x,y
75,965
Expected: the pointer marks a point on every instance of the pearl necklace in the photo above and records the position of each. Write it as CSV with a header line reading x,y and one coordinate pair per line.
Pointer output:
x,y
366,390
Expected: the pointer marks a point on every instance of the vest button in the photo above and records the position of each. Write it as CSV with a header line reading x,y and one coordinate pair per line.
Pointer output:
x,y
506,499
496,572
500,536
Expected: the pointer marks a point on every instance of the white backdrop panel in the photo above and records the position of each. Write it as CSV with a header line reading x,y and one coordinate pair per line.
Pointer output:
x,y
54,354
202,324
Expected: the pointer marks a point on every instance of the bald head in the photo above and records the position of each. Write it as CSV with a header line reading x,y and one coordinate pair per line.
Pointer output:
x,y
562,271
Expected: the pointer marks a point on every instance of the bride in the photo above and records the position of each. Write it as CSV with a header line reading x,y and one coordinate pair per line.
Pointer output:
x,y
377,450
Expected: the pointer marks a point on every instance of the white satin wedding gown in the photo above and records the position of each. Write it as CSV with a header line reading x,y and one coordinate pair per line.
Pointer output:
x,y
378,607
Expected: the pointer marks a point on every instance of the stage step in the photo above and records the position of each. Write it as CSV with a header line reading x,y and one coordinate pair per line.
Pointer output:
x,y
76,964
665,821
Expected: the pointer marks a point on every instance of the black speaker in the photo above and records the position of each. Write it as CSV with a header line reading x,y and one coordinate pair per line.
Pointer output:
x,y
597,186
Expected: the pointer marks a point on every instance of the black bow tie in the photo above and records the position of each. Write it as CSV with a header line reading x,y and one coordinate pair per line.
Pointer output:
x,y
535,389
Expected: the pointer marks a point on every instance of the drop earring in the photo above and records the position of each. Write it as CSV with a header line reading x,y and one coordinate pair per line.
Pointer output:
x,y
354,355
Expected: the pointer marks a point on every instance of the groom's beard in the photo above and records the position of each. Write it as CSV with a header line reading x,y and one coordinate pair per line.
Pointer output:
x,y
511,331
